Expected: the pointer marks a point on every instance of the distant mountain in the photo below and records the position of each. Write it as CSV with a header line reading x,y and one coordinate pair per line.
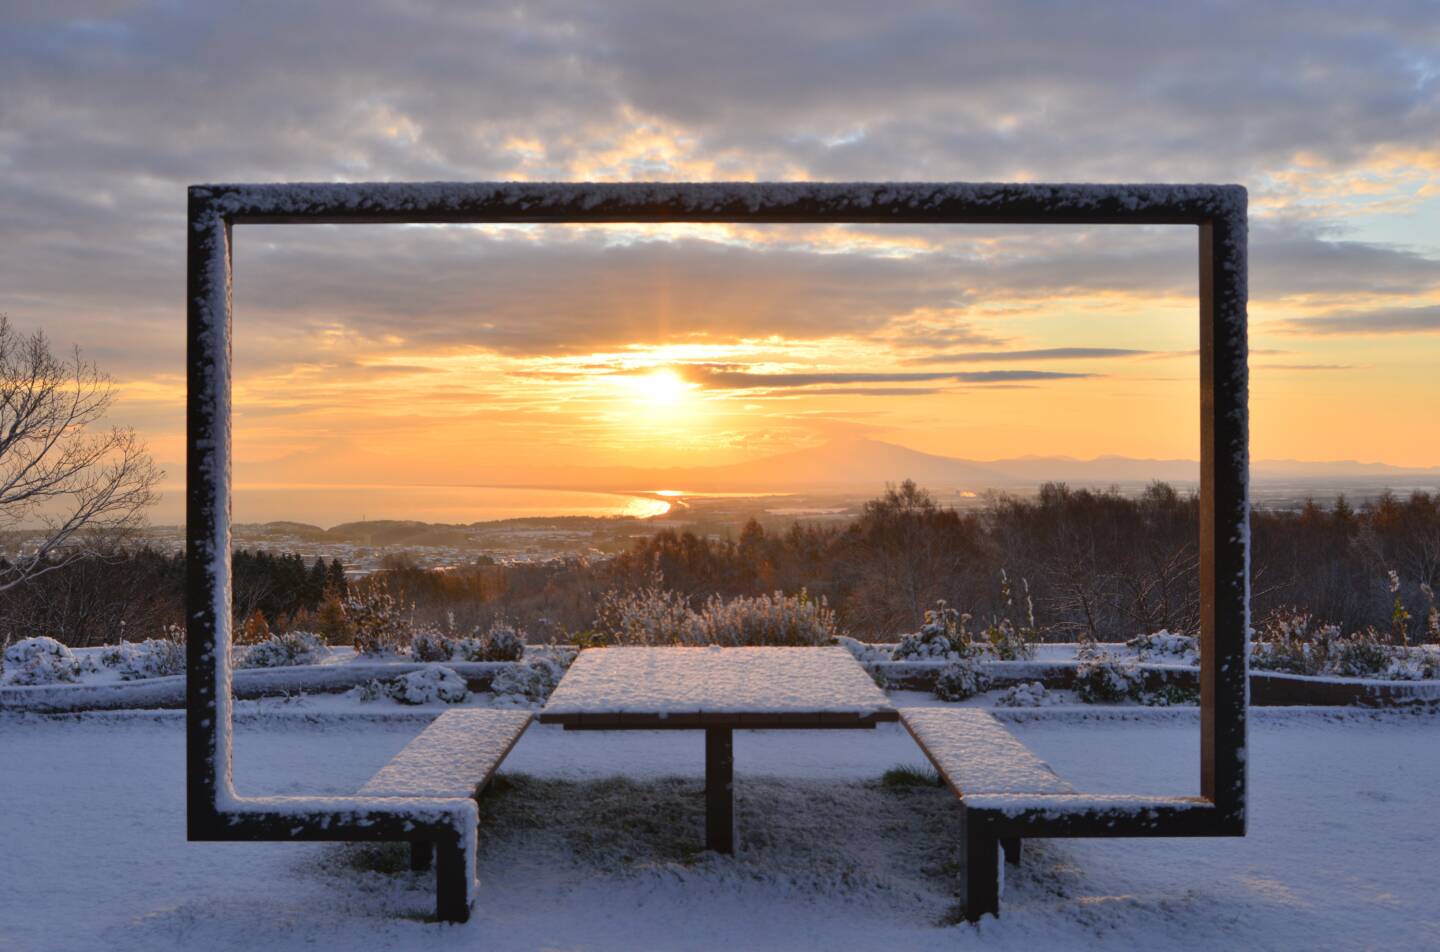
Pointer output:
x,y
867,465
397,532
302,530
1032,470
1340,468
847,465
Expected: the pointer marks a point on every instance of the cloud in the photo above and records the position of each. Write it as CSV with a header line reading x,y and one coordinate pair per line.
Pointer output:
x,y
1045,353
1296,258
568,291
1303,367
744,380
1395,320
109,110
872,391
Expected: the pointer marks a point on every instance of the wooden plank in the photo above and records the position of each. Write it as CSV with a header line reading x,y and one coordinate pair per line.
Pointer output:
x,y
720,790
783,720
982,870
452,883
453,757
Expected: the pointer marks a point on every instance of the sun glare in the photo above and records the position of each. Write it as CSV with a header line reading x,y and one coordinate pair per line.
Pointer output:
x,y
663,387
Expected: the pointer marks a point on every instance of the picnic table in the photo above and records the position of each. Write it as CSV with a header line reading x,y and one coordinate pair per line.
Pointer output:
x,y
717,690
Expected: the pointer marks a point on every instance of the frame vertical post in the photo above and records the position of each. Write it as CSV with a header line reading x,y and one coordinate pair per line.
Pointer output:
x,y
207,515
1224,518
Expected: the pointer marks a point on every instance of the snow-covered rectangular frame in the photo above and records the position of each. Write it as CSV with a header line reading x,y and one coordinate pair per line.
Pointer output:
x,y
216,812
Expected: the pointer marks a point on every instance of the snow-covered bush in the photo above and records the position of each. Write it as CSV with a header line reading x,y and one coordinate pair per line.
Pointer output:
x,y
1011,639
962,679
660,616
284,650
430,645
1292,641
864,652
42,661
650,616
1415,664
531,681
943,637
1166,646
1031,694
1008,642
502,642
1170,693
465,649
777,619
1432,614
254,629
1106,680
1363,654
151,658
369,692
376,621
430,684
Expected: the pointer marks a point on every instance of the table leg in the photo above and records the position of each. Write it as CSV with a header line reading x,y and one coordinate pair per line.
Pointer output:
x,y
719,789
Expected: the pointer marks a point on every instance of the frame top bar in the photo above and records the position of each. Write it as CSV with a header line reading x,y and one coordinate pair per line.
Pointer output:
x,y
769,202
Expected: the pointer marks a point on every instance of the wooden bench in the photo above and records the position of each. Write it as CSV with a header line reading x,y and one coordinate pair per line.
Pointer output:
x,y
1007,794
453,758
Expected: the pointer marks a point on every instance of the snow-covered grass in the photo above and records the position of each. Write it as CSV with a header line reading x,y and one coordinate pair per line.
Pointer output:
x,y
1341,851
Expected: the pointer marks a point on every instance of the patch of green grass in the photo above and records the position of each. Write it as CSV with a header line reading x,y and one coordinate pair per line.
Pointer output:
x,y
388,859
611,822
906,777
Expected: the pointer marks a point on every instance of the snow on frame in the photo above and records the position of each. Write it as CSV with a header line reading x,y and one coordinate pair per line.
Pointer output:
x,y
1184,202
1057,805
958,201
716,680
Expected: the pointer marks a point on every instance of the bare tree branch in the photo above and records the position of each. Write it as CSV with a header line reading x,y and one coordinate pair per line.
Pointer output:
x,y
70,489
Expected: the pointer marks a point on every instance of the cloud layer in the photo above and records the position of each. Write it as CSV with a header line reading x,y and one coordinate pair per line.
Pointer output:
x,y
1330,115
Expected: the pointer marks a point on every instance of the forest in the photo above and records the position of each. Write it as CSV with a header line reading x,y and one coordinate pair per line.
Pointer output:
x,y
1091,564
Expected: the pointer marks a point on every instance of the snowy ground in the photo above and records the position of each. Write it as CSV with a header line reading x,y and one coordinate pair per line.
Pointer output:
x,y
1344,852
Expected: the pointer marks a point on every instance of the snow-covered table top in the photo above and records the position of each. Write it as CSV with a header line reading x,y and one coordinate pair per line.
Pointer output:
x,y
640,688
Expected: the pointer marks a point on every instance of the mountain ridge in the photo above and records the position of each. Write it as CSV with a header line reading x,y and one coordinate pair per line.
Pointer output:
x,y
869,464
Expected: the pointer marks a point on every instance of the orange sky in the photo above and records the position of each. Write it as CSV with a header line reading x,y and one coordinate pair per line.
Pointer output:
x,y
440,354
464,355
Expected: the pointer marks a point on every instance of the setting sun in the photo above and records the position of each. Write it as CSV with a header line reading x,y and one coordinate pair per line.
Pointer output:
x,y
664,388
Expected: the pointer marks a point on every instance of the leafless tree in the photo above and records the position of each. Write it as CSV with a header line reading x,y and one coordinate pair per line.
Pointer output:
x,y
71,485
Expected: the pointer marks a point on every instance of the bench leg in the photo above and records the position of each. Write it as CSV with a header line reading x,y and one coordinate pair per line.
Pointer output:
x,y
982,873
452,883
421,853
719,790
1011,845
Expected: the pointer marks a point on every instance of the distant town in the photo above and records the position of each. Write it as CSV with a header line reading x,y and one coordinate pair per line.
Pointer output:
x,y
365,547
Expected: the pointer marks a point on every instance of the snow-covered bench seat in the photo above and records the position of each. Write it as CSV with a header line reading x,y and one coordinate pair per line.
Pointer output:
x,y
454,757
1007,793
